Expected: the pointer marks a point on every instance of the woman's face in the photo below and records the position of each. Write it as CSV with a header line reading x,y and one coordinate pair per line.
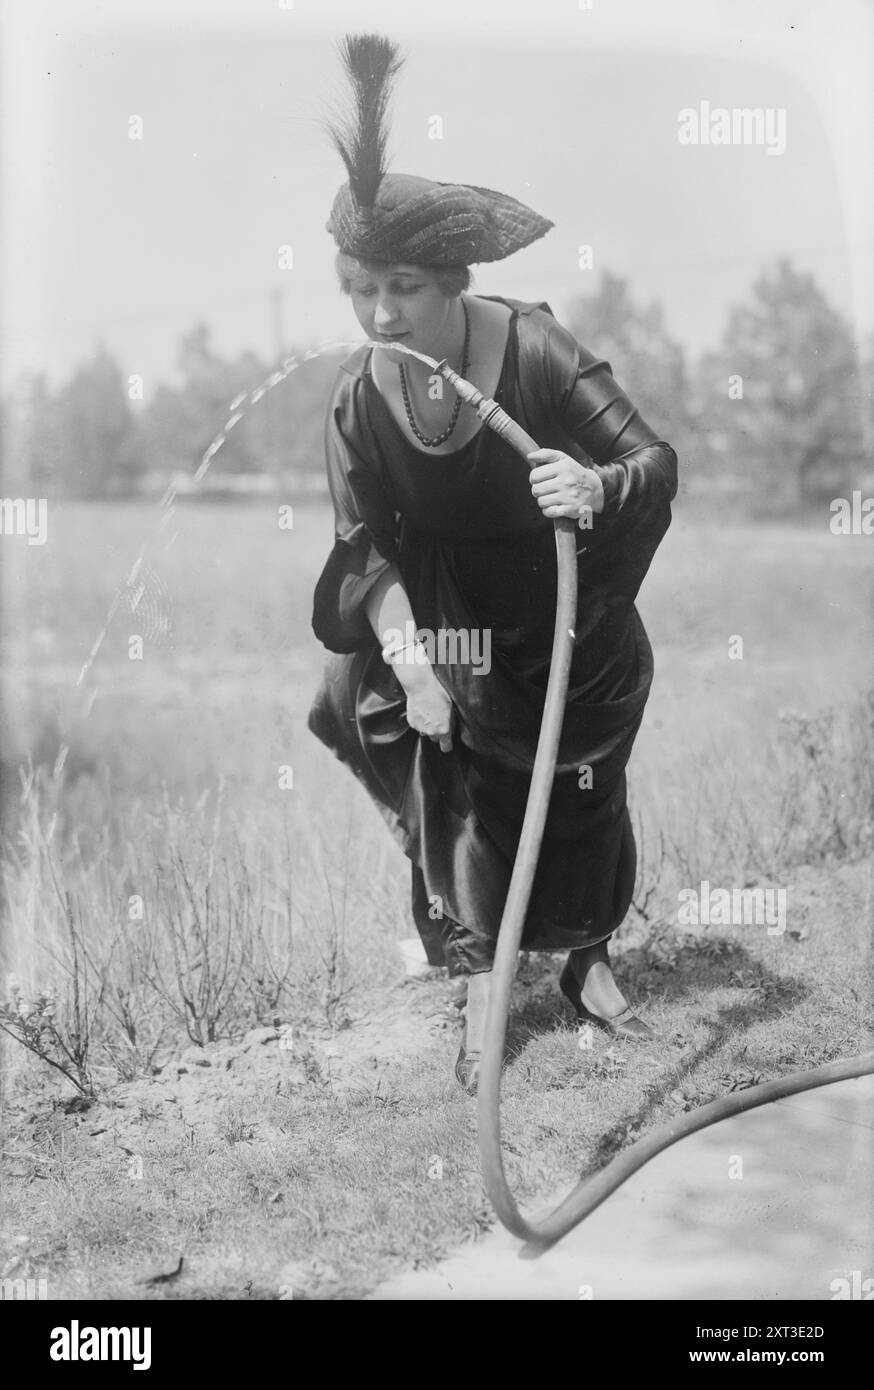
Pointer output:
x,y
400,302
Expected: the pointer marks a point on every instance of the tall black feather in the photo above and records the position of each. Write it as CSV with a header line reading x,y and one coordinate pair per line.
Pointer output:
x,y
361,138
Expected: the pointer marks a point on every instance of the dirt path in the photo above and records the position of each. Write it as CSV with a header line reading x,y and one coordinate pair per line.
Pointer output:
x,y
795,1220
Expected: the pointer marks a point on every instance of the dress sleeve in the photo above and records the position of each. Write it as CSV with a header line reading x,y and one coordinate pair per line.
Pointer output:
x,y
365,530
636,468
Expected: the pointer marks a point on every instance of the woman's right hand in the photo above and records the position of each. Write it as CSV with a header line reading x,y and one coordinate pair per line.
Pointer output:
x,y
429,709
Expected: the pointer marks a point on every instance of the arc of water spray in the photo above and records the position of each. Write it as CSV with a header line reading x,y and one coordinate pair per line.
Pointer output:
x,y
237,409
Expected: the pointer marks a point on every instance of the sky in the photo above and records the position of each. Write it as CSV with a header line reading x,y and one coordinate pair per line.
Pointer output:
x,y
571,105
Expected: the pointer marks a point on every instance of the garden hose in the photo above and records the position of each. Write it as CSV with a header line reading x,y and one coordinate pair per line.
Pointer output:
x,y
590,1191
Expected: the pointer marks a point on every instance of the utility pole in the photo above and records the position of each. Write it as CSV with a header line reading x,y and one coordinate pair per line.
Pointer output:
x,y
274,413
276,317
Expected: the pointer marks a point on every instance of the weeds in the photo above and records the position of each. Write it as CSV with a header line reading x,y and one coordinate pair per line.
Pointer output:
x,y
58,1028
33,1025
218,945
830,784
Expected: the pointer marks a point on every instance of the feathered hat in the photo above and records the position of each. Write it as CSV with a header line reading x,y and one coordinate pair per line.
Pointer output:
x,y
399,218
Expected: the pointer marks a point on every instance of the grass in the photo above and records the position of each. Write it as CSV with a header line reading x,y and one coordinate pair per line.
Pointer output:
x,y
302,1158
321,1183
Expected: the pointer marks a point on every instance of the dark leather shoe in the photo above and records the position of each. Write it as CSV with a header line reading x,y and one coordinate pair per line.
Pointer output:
x,y
625,1024
467,1069
468,1061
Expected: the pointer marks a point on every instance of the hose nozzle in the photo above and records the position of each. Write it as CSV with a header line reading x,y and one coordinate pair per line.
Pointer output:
x,y
489,412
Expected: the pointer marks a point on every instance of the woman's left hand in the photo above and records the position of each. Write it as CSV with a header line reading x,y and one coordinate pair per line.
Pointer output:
x,y
563,487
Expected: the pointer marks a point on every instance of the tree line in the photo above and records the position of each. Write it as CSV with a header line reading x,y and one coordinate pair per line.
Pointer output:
x,y
777,418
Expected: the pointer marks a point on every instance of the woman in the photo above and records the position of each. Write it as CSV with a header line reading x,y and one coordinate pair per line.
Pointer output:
x,y
443,532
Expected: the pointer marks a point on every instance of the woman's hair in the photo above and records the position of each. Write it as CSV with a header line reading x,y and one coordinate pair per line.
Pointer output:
x,y
453,280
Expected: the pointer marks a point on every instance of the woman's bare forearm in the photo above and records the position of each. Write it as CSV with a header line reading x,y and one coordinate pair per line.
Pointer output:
x,y
429,708
391,617
387,606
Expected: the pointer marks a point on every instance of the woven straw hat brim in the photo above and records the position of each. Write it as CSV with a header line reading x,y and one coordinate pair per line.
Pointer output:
x,y
422,222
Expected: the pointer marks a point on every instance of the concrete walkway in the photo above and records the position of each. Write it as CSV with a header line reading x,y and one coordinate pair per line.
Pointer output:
x,y
799,1219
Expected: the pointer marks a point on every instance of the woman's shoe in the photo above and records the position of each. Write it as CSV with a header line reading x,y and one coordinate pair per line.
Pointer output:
x,y
468,1061
625,1024
467,1069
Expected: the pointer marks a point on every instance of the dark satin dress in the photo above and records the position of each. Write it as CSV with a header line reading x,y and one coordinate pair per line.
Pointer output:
x,y
475,552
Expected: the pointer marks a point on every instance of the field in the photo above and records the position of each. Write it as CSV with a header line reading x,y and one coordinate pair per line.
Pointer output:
x,y
253,1083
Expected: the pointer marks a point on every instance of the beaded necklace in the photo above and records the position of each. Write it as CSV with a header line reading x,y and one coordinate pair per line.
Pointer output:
x,y
438,439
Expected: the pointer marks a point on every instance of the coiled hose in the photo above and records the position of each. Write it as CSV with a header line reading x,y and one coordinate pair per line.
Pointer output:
x,y
590,1192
